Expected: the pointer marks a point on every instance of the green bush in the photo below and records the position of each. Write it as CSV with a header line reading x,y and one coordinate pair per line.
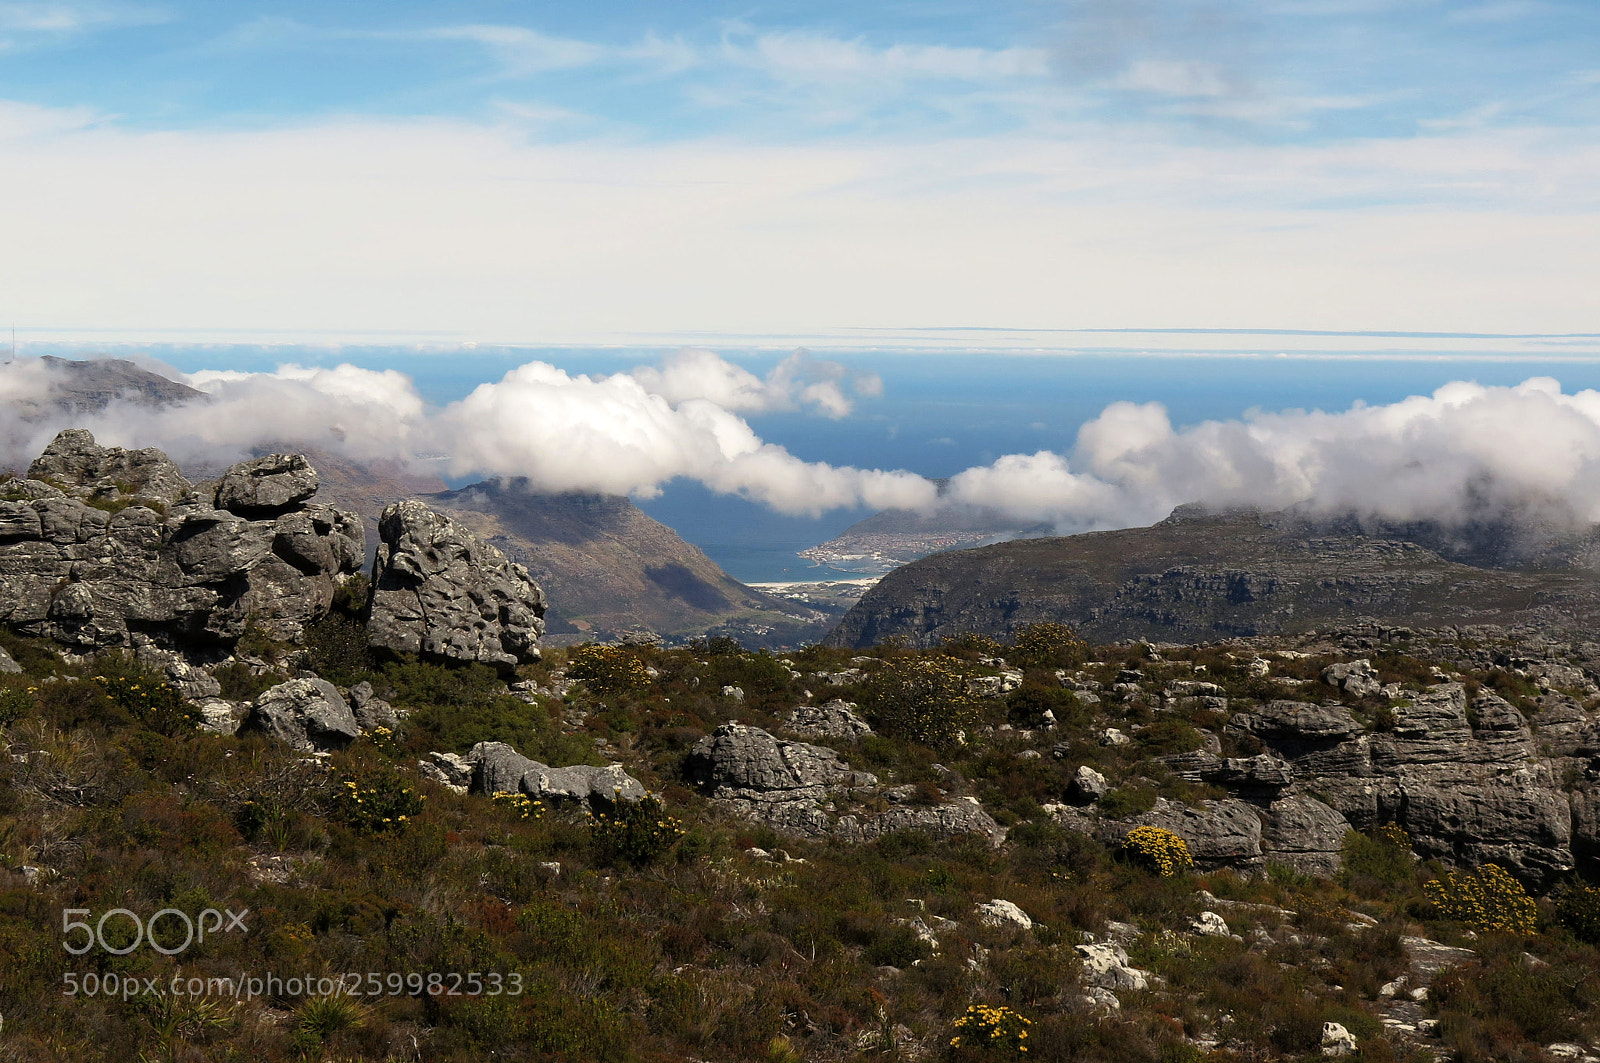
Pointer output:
x,y
375,801
922,699
607,670
1578,909
1379,857
1049,645
637,832
1485,899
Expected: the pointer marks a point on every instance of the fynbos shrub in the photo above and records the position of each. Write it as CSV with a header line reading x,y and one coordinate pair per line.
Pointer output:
x,y
637,832
991,1030
376,802
925,700
1578,909
1485,899
1159,849
607,670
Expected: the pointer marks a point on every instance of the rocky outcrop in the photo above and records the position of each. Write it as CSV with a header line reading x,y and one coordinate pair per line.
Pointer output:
x,y
267,486
498,768
308,714
834,719
792,786
440,591
102,547
1465,780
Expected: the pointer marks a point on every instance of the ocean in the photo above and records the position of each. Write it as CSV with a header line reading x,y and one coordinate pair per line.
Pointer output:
x,y
944,410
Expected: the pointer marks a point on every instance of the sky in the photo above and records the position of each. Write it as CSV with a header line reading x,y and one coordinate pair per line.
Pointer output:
x,y
863,173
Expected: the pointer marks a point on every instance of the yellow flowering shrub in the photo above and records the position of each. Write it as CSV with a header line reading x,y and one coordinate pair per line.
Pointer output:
x,y
1485,899
991,1029
376,802
923,699
637,831
1159,849
607,670
520,806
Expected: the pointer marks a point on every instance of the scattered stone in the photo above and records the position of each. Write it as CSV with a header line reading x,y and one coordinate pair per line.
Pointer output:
x,y
271,869
1111,736
222,717
1337,1041
7,664
372,711
1358,678
1210,924
450,770
1106,965
736,693
498,768
1087,786
1002,913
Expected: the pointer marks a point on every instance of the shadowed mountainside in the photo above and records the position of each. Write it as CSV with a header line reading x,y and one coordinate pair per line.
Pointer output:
x,y
1197,576
606,567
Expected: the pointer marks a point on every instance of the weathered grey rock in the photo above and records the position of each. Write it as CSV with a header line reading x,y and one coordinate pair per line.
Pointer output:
x,y
450,770
1087,786
1106,965
78,466
308,714
950,819
1303,833
371,711
1002,913
440,591
1210,924
267,485
1337,1041
8,664
834,719
1224,833
1467,787
1357,678
746,763
169,568
498,768
222,717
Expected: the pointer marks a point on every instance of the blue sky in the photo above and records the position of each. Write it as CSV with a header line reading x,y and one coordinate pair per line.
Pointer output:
x,y
633,172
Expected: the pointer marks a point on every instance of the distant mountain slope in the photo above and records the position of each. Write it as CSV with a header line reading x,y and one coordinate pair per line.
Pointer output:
x,y
606,568
1196,577
896,536
88,385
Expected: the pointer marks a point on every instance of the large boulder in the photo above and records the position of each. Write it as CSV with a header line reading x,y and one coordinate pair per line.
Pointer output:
x,y
497,768
308,714
107,547
791,787
268,485
440,591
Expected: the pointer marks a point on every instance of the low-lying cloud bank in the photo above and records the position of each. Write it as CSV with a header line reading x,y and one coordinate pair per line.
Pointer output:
x,y
1448,456
627,433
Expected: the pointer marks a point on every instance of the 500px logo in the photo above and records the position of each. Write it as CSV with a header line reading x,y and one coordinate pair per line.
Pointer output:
x,y
211,921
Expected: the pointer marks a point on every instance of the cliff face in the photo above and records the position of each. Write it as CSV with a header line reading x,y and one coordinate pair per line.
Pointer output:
x,y
1196,577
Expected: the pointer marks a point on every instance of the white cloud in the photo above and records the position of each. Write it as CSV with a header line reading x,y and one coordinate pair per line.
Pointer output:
x,y
562,432
1461,451
471,230
63,16
812,57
